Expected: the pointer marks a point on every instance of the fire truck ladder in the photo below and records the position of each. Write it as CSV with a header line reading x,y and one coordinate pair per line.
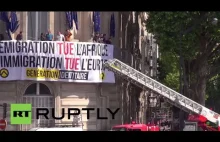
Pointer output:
x,y
171,96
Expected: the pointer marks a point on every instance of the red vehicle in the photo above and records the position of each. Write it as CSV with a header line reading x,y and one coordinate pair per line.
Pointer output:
x,y
136,127
202,123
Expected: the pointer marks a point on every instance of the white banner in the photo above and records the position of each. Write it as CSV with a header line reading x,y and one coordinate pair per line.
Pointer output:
x,y
55,61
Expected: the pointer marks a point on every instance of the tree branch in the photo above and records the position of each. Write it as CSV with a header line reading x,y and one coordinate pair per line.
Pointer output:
x,y
213,51
213,72
214,69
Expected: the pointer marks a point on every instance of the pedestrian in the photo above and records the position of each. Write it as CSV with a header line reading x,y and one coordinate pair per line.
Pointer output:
x,y
60,37
68,34
109,41
42,37
49,36
104,38
19,36
101,38
96,37
1,37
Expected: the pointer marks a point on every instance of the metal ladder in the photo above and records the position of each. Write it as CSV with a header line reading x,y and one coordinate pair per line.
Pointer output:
x,y
171,96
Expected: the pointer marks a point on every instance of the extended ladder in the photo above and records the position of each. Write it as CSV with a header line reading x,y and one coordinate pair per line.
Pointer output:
x,y
170,95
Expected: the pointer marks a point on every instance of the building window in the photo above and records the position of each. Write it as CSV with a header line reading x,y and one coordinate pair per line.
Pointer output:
x,y
40,96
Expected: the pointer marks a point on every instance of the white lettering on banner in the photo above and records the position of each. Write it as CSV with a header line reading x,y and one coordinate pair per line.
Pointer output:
x,y
55,61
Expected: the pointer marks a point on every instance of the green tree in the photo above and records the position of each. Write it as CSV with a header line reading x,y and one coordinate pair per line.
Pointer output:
x,y
213,93
168,70
198,38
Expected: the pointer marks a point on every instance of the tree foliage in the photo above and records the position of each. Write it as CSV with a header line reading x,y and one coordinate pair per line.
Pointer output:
x,y
195,37
168,70
213,93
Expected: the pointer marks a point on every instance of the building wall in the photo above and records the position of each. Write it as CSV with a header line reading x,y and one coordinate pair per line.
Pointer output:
x,y
99,95
67,94
138,49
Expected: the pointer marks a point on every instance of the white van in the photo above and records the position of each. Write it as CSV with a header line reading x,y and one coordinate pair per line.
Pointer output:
x,y
58,129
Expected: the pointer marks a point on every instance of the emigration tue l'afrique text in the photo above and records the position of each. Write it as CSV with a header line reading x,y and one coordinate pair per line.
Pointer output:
x,y
53,55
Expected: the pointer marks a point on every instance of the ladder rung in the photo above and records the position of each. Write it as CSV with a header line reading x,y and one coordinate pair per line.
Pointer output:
x,y
173,97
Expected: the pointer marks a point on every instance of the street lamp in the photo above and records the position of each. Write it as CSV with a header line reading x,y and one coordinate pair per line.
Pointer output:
x,y
181,63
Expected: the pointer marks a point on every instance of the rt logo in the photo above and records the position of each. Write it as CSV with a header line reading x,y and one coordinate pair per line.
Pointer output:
x,y
4,73
21,113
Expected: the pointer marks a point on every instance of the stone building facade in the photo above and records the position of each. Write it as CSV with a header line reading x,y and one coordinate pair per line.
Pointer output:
x,y
133,45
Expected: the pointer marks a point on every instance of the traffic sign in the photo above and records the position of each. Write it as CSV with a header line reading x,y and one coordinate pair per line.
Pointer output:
x,y
3,124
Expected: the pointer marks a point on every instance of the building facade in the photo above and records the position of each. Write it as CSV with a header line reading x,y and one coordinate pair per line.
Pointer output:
x,y
99,95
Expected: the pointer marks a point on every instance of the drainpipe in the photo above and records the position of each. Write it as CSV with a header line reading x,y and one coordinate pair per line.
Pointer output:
x,y
105,98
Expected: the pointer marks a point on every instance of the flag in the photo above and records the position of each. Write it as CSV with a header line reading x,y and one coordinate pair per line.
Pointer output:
x,y
75,19
4,16
112,25
11,22
69,19
96,21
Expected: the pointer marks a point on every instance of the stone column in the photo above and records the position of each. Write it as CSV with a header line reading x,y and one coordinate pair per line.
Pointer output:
x,y
24,24
57,100
87,29
50,22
